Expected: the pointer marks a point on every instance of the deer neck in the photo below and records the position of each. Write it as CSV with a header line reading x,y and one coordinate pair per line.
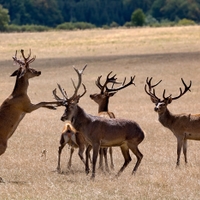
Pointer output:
x,y
21,86
80,120
166,119
103,107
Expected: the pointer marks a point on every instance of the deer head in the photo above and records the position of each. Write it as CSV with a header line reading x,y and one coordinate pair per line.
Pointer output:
x,y
161,104
105,91
24,69
70,103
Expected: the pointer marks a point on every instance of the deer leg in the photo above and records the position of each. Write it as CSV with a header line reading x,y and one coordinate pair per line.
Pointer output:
x,y
70,158
87,153
101,159
127,158
139,156
111,158
80,153
48,105
185,150
179,147
96,148
3,147
62,144
105,150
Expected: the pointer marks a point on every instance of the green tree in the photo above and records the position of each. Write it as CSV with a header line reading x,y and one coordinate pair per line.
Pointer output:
x,y
4,18
138,18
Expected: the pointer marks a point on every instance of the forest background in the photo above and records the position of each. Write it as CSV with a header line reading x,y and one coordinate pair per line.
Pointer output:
x,y
96,13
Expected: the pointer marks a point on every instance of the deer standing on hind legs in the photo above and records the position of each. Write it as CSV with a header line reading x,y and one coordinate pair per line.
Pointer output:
x,y
184,126
101,132
14,108
102,99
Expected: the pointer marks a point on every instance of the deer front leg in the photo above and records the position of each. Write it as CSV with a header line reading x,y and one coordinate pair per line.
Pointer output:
x,y
80,153
185,150
87,155
96,148
3,147
105,150
111,158
179,147
101,159
48,105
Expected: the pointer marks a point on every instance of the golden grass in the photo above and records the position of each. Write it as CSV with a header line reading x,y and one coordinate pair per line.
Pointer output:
x,y
164,53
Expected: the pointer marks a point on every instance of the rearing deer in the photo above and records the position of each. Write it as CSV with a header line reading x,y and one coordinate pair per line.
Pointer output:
x,y
14,108
184,126
102,99
101,132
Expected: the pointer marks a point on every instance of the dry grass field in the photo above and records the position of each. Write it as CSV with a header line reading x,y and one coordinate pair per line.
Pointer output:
x,y
162,53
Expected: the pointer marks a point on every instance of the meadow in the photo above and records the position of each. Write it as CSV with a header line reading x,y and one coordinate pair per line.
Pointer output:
x,y
168,53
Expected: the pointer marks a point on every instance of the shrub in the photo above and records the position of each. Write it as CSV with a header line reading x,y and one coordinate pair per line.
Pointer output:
x,y
75,25
185,22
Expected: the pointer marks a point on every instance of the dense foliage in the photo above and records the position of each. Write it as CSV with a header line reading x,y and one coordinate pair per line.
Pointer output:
x,y
97,12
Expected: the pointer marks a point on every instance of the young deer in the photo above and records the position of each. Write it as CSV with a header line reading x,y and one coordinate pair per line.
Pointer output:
x,y
102,99
184,126
101,132
75,140
14,108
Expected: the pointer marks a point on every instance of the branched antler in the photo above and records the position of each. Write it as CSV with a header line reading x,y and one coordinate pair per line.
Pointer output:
x,y
104,88
26,60
65,98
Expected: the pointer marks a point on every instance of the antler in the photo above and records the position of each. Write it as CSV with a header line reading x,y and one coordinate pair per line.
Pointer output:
x,y
79,72
26,60
153,95
112,80
150,92
108,80
187,88
65,98
122,86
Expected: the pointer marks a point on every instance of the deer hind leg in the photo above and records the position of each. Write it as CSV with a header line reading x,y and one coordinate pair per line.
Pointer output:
x,y
62,144
70,158
111,158
138,154
127,158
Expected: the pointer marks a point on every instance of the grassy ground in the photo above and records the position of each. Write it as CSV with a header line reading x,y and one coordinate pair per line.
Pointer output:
x,y
162,53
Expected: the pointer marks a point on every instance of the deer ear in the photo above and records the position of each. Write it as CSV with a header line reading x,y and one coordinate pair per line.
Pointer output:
x,y
15,73
154,100
169,100
111,94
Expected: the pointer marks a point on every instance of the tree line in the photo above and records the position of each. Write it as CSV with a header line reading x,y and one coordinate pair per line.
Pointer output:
x,y
97,12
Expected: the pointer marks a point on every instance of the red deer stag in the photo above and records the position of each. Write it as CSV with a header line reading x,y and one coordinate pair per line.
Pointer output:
x,y
102,99
14,108
75,140
101,132
184,126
